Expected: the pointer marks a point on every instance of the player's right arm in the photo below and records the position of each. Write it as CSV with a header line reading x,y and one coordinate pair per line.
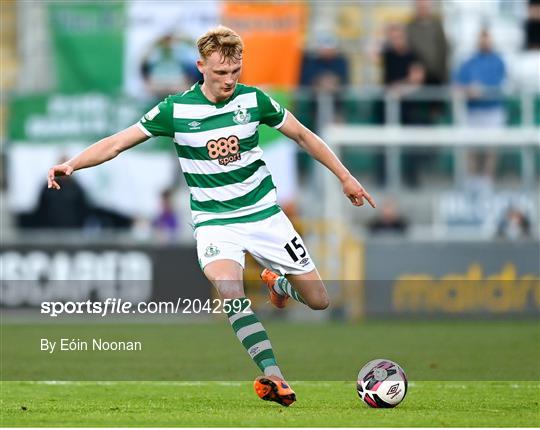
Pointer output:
x,y
274,115
101,151
156,122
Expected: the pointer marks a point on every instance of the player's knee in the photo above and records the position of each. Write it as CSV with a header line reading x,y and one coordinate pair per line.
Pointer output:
x,y
320,304
230,291
225,277
228,285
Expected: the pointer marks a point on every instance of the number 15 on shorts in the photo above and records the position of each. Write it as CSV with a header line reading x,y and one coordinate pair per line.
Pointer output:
x,y
295,249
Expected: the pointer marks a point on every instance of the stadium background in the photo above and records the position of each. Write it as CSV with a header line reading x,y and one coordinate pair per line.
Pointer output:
x,y
443,277
447,240
75,72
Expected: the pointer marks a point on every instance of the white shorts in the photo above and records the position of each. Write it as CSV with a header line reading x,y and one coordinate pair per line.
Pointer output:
x,y
273,242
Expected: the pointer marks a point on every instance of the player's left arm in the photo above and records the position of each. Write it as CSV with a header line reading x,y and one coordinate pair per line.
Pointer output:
x,y
318,149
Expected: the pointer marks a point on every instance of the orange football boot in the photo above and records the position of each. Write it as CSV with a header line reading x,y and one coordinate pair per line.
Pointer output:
x,y
274,389
269,279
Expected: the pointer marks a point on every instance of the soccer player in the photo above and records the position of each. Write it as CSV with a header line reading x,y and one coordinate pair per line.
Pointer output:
x,y
233,199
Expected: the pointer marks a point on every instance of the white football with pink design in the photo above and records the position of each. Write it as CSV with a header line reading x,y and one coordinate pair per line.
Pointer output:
x,y
382,384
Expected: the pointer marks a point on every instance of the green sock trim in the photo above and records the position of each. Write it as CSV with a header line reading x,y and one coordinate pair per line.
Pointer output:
x,y
281,283
262,356
244,322
254,338
285,286
268,362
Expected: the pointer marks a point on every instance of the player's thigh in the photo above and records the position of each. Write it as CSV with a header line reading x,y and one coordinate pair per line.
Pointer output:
x,y
219,242
222,257
311,288
275,244
227,278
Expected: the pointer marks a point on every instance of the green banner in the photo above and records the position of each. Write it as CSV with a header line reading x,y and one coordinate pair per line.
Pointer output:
x,y
68,118
87,40
57,118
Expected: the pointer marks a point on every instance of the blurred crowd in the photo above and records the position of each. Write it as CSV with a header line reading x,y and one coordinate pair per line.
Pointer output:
x,y
413,57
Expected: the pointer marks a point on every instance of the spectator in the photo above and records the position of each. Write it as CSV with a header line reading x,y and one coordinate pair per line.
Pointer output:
x,y
166,223
397,57
481,78
532,26
514,225
390,220
403,74
427,40
69,209
326,66
168,67
325,70
525,64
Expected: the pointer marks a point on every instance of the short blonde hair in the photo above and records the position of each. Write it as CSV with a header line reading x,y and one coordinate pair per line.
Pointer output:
x,y
223,40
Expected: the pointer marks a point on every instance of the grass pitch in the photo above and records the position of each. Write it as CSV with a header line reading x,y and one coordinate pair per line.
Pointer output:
x,y
234,404
462,373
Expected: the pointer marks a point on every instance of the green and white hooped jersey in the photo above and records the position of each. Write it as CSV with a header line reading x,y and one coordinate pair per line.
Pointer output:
x,y
218,148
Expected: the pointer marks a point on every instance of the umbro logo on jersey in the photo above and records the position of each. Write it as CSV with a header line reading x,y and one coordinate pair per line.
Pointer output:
x,y
194,125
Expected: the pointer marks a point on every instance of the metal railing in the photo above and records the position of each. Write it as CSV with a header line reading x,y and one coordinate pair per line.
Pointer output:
x,y
393,138
392,100
452,125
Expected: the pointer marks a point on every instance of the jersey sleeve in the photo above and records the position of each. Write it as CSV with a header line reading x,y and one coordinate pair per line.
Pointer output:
x,y
158,121
271,112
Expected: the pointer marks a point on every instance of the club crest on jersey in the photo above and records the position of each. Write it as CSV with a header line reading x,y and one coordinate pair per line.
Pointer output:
x,y
241,116
211,251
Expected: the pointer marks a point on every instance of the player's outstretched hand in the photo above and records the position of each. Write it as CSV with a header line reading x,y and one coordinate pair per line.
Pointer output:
x,y
55,171
356,193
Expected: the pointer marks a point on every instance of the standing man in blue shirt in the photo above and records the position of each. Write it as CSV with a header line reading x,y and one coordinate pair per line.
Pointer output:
x,y
481,77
